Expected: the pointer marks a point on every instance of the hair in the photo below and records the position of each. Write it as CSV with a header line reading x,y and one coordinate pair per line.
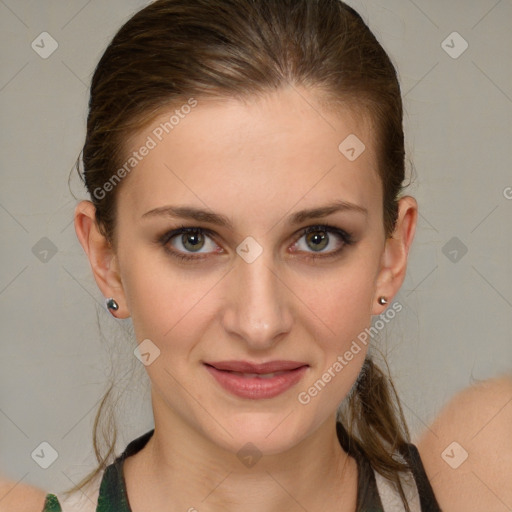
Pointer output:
x,y
173,50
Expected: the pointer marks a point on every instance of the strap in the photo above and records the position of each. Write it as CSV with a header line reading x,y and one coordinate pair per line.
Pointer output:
x,y
391,500
51,504
417,489
368,499
427,497
113,485
112,491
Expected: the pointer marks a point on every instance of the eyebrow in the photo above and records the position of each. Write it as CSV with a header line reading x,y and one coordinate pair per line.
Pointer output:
x,y
200,215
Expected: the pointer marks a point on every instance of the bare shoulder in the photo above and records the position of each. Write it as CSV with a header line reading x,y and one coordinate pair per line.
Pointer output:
x,y
467,450
20,497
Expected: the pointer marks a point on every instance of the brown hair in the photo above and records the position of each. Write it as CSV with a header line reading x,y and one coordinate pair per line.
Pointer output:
x,y
173,50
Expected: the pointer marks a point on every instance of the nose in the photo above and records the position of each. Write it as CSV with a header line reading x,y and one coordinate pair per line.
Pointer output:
x,y
257,311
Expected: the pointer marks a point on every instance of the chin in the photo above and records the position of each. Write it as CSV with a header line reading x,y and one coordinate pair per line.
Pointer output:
x,y
267,433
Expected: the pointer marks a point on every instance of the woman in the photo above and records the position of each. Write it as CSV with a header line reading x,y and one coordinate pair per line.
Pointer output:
x,y
245,161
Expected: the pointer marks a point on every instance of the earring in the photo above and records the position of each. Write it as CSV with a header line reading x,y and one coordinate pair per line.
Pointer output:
x,y
111,304
383,300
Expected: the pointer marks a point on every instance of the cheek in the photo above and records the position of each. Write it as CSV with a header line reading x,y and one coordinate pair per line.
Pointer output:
x,y
162,298
342,316
342,301
342,311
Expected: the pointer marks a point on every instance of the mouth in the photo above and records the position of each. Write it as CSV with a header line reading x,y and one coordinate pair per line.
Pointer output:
x,y
257,380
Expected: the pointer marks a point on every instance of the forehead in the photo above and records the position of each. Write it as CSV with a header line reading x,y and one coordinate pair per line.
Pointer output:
x,y
270,151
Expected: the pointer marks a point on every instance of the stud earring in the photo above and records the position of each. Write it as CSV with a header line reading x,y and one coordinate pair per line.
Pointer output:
x,y
111,304
383,300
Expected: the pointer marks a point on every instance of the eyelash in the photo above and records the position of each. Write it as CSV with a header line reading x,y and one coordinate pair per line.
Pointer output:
x,y
346,238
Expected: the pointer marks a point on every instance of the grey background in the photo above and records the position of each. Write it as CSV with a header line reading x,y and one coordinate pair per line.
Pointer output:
x,y
457,321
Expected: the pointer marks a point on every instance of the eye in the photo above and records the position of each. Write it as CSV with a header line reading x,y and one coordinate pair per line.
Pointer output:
x,y
318,238
191,239
184,242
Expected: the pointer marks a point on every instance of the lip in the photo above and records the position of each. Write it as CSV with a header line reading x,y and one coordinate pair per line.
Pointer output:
x,y
245,380
247,367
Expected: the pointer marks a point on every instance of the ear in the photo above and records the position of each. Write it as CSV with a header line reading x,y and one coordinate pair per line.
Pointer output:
x,y
102,257
394,258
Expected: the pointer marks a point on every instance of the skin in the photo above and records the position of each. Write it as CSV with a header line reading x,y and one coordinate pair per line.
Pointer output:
x,y
19,496
255,162
479,419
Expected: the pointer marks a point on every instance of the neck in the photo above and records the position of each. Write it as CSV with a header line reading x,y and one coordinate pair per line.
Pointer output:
x,y
179,469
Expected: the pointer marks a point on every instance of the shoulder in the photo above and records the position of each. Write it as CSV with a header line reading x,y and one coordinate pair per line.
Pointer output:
x,y
20,497
467,450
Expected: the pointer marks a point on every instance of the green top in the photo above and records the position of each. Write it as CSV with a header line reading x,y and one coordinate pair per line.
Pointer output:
x,y
51,504
113,496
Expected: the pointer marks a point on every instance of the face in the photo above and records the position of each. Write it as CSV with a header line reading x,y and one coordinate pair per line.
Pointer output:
x,y
245,285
